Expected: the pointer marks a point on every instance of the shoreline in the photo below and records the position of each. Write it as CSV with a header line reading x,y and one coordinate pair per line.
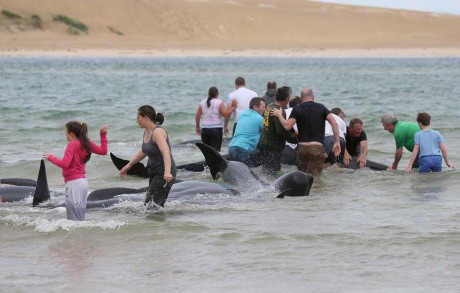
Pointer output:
x,y
293,53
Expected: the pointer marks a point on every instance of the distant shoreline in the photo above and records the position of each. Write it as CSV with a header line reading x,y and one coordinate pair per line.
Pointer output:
x,y
313,53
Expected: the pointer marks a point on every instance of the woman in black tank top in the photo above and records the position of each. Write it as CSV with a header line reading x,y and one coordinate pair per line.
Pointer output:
x,y
160,165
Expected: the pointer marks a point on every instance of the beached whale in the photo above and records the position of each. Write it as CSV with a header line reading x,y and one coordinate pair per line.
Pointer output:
x,y
20,189
237,174
288,157
354,164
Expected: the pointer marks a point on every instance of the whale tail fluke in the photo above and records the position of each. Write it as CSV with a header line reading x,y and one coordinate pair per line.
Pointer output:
x,y
42,192
215,161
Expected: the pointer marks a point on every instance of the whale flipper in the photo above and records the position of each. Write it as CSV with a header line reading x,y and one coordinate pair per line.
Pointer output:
x,y
42,192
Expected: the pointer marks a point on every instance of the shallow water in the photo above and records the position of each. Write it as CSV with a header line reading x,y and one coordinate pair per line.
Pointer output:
x,y
359,230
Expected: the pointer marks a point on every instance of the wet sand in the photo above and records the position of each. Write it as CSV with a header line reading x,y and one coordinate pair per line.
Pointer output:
x,y
225,28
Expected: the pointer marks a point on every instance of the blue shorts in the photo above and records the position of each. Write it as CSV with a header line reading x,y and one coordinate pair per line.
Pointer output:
x,y
430,164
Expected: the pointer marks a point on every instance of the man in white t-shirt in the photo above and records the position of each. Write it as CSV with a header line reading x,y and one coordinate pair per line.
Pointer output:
x,y
338,115
239,98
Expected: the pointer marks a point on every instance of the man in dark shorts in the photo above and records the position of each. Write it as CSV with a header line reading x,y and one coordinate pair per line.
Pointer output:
x,y
311,119
356,143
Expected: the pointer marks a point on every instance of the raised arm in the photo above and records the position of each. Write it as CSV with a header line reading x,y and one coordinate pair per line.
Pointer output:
x,y
102,149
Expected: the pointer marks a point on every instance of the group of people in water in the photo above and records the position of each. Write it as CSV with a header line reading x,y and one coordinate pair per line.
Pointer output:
x,y
268,131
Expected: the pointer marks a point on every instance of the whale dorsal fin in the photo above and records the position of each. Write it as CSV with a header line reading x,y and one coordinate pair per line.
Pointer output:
x,y
137,169
42,192
215,161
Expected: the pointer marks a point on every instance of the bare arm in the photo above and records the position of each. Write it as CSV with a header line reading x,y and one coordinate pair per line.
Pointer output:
x,y
412,158
363,157
398,156
199,111
287,124
443,148
227,118
346,157
227,112
137,158
160,139
335,130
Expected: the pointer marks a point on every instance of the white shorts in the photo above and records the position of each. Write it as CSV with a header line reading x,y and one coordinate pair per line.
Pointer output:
x,y
76,192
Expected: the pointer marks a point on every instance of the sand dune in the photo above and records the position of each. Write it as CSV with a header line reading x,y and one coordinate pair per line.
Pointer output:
x,y
204,26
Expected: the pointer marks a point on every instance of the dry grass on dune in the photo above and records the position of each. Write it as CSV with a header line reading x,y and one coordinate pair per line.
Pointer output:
x,y
223,24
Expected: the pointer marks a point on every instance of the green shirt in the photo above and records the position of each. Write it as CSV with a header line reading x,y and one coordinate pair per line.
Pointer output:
x,y
404,134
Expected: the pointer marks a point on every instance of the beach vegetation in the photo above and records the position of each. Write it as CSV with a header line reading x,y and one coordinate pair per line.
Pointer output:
x,y
23,21
10,15
75,27
114,30
34,20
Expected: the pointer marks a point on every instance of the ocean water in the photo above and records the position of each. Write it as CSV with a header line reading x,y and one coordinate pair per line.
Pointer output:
x,y
359,231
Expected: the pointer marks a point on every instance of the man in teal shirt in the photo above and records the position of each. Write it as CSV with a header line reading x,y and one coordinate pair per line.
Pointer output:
x,y
403,133
243,146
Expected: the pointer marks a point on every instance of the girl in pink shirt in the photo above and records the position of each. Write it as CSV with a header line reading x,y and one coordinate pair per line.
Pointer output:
x,y
77,153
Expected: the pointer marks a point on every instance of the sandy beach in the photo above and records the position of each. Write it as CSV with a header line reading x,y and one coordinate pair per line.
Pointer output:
x,y
222,28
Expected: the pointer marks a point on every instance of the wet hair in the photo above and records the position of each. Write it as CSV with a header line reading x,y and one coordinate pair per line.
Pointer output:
x,y
295,101
337,111
271,85
389,118
355,121
255,102
240,81
148,111
80,130
283,93
424,118
212,93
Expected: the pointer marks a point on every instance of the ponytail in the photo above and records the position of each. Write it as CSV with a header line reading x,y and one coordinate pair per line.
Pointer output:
x,y
212,93
149,111
80,130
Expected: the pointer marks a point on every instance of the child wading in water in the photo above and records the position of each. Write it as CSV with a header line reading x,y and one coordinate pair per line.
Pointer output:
x,y
77,153
431,146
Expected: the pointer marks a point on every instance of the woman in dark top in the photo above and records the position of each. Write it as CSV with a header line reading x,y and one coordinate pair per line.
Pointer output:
x,y
160,164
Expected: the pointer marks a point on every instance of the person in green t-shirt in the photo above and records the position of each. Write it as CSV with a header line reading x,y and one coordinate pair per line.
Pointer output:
x,y
403,133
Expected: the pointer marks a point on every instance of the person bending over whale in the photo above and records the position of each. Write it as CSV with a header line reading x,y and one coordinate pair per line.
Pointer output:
x,y
403,133
356,143
161,166
243,147
77,153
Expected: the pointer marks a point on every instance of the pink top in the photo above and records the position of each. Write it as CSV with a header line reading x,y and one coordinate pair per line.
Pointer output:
x,y
73,164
